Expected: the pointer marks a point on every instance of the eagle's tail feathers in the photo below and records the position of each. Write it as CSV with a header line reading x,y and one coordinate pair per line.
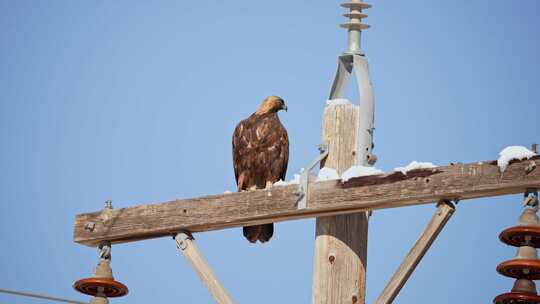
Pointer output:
x,y
267,231
251,233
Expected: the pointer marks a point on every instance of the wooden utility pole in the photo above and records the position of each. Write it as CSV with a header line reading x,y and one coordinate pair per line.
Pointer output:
x,y
341,241
340,262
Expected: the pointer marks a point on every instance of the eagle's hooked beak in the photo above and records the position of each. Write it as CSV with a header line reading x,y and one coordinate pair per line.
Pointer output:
x,y
284,107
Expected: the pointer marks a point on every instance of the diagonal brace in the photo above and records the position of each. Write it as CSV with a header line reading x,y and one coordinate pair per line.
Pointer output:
x,y
188,247
444,211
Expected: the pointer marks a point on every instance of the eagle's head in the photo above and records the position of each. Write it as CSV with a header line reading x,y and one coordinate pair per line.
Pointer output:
x,y
271,104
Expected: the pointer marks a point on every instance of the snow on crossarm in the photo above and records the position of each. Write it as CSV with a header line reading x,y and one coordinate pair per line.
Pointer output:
x,y
513,152
413,166
327,174
294,181
357,171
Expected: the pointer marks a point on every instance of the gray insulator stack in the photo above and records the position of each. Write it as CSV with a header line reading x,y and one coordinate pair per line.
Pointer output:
x,y
355,25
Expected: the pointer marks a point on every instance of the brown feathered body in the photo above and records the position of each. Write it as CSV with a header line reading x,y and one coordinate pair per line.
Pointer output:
x,y
260,154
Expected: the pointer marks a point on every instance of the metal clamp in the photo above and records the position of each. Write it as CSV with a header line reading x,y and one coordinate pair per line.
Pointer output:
x,y
105,250
302,191
181,240
530,199
347,65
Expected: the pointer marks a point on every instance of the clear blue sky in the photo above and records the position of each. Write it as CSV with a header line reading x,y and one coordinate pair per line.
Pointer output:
x,y
136,101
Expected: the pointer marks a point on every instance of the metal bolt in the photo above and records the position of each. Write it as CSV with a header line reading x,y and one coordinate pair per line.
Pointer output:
x,y
530,167
90,226
531,199
371,159
181,240
105,250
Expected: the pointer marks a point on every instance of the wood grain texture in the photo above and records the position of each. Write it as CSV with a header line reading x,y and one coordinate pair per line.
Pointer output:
x,y
417,252
205,273
460,181
339,265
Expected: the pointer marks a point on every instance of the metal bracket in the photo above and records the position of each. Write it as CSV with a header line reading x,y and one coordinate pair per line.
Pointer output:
x,y
530,199
530,167
302,192
348,64
105,250
181,240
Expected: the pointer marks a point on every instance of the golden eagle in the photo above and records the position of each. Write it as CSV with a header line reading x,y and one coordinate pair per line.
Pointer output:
x,y
260,148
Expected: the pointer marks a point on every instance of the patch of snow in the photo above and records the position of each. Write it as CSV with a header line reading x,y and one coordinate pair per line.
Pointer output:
x,y
281,183
294,181
357,171
227,192
414,165
513,152
338,102
327,174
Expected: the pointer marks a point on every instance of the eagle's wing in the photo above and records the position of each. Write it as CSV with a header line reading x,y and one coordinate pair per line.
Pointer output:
x,y
239,147
278,152
244,144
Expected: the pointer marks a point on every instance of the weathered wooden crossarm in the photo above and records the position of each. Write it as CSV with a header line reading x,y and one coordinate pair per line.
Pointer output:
x,y
461,181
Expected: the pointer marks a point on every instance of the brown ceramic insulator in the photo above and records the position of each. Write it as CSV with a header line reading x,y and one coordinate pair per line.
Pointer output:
x,y
520,269
111,288
516,236
517,298
524,286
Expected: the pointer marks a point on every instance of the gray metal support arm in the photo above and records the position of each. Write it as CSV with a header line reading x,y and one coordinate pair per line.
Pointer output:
x,y
347,64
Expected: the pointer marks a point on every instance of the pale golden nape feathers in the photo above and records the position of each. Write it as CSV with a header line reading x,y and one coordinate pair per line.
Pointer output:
x,y
271,104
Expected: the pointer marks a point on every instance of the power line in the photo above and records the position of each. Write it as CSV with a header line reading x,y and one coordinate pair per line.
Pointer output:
x,y
27,294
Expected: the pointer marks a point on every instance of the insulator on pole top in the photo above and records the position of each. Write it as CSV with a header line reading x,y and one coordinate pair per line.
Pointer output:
x,y
355,25
355,15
